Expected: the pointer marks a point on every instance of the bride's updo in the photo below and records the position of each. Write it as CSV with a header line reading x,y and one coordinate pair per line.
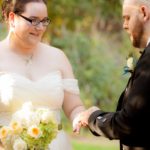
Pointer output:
x,y
16,6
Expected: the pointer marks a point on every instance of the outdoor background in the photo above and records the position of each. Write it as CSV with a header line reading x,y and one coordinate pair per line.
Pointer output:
x,y
90,33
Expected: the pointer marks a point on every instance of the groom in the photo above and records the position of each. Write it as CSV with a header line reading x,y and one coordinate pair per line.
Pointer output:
x,y
131,121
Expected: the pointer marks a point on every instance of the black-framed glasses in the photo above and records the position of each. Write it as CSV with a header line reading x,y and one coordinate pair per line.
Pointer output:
x,y
35,21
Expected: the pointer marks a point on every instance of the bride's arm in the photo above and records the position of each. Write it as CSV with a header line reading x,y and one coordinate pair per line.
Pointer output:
x,y
72,104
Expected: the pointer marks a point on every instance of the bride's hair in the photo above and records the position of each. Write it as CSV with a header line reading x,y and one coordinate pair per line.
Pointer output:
x,y
16,6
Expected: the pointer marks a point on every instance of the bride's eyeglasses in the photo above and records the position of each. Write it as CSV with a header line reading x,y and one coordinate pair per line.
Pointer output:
x,y
35,22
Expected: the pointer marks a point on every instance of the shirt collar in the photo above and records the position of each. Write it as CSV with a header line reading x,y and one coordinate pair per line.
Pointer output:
x,y
148,41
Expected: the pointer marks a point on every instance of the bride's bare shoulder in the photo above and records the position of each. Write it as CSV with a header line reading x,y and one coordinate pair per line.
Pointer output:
x,y
58,59
51,51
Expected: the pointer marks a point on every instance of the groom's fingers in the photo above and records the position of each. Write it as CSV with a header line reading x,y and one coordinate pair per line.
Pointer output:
x,y
84,124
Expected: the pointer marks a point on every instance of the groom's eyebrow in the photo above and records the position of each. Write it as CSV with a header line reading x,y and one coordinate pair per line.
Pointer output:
x,y
131,6
125,14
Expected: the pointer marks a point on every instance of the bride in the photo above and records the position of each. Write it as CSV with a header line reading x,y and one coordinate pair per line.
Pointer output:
x,y
33,71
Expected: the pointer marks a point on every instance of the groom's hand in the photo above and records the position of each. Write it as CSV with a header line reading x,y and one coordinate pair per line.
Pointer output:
x,y
81,120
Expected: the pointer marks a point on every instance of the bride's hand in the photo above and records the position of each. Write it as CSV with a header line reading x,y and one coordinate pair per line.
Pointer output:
x,y
81,120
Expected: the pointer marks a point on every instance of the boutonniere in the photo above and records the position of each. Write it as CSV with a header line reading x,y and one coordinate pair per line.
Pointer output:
x,y
131,63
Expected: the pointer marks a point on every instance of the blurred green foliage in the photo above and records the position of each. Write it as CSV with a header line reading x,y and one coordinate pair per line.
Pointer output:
x,y
90,33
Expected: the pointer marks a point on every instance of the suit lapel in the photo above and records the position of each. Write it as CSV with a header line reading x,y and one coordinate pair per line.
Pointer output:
x,y
121,99
120,102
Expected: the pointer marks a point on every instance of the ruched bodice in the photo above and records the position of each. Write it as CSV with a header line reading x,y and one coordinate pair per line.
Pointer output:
x,y
48,92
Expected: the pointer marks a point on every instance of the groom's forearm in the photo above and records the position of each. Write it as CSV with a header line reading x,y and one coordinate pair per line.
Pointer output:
x,y
115,125
99,124
91,123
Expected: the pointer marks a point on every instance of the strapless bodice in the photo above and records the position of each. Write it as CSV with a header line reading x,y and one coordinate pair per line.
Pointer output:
x,y
48,92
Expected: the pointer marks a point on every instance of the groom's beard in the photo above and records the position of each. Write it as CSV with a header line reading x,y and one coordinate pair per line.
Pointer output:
x,y
138,35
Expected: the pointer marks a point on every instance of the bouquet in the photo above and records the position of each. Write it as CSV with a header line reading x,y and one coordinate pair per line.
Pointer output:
x,y
29,129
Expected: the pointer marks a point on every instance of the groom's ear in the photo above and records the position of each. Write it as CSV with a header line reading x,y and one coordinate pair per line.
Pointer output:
x,y
145,12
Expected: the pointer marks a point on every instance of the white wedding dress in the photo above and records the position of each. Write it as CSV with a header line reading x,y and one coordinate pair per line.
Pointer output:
x,y
47,92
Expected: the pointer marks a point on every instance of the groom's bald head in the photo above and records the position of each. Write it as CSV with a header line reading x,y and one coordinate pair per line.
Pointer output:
x,y
136,14
137,2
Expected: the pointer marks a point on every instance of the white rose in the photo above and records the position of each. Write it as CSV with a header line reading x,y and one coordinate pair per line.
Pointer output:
x,y
27,107
32,119
19,144
130,62
46,115
27,118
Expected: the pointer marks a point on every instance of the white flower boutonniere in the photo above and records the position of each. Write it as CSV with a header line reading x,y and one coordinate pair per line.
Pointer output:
x,y
131,63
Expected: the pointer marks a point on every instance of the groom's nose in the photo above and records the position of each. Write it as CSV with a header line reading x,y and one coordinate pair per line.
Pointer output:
x,y
125,26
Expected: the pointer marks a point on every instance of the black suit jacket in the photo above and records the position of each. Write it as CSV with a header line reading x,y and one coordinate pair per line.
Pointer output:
x,y
131,121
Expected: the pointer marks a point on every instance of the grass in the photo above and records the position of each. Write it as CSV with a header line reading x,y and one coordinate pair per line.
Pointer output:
x,y
82,146
94,143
